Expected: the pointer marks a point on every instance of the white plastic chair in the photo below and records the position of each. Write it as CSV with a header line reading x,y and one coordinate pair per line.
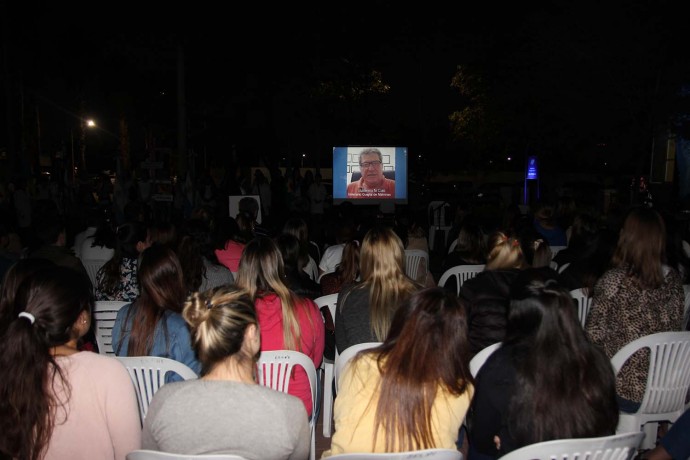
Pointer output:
x,y
584,303
104,314
344,358
461,273
480,358
143,454
426,454
437,221
562,268
327,365
668,380
92,266
614,447
274,370
413,260
452,246
148,375
555,250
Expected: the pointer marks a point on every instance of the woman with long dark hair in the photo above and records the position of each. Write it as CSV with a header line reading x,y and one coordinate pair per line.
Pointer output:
x,y
55,401
640,295
152,325
413,391
226,404
547,381
117,279
288,321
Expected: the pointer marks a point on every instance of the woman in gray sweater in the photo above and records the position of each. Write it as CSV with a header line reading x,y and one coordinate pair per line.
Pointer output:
x,y
225,411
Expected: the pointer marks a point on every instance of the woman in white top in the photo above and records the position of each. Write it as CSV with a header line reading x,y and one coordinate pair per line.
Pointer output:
x,y
76,405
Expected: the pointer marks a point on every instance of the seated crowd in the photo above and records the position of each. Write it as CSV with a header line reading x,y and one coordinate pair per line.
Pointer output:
x,y
215,293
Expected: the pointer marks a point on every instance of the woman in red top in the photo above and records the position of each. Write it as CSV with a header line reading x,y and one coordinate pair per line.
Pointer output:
x,y
287,321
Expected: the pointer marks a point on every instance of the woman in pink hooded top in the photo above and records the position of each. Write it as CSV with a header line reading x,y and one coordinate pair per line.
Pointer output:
x,y
287,321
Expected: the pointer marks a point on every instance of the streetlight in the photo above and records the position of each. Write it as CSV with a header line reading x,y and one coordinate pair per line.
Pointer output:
x,y
85,123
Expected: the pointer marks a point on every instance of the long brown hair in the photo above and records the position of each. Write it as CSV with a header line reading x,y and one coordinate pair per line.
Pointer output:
x,y
262,272
29,375
641,248
128,235
382,260
426,350
162,289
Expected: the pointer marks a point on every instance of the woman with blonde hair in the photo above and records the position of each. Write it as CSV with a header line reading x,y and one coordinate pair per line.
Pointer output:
x,y
226,404
412,392
364,310
638,296
487,295
288,322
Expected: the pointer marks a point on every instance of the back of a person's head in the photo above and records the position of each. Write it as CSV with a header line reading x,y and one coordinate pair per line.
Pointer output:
x,y
382,255
535,248
218,319
298,227
15,275
47,222
163,233
128,235
504,252
250,206
641,247
426,349
558,371
348,268
290,250
47,306
160,279
585,227
261,267
471,241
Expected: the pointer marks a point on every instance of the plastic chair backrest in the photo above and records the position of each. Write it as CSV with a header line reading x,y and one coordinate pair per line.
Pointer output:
x,y
426,454
327,365
562,268
92,266
614,447
461,273
148,375
668,378
143,454
480,358
344,358
104,314
556,249
274,370
413,259
584,303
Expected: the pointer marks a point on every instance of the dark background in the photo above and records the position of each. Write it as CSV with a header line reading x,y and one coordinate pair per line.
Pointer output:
x,y
585,85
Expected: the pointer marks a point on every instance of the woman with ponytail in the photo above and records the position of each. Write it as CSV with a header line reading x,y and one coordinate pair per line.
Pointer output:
x,y
225,411
55,401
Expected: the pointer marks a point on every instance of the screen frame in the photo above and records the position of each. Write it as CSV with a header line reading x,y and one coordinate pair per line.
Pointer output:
x,y
345,163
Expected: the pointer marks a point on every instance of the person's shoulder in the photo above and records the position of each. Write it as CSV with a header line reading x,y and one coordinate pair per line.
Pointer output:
x,y
174,319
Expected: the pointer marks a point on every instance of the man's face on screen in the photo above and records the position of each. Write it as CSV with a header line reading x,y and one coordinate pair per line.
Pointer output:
x,y
372,170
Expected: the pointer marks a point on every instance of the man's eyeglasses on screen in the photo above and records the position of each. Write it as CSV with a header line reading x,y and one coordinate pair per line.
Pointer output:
x,y
370,164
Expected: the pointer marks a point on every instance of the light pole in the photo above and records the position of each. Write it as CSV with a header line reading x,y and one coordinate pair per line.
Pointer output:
x,y
83,124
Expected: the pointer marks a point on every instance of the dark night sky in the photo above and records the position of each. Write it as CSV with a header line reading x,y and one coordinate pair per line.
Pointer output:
x,y
567,80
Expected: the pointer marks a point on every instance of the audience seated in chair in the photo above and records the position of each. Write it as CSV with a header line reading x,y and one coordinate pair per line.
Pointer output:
x,y
546,381
413,391
152,325
117,279
346,272
59,402
225,411
288,321
365,310
639,296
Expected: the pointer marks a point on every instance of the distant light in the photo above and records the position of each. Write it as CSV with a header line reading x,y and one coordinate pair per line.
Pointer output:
x,y
304,155
509,158
90,123
606,164
491,162
162,93
420,157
